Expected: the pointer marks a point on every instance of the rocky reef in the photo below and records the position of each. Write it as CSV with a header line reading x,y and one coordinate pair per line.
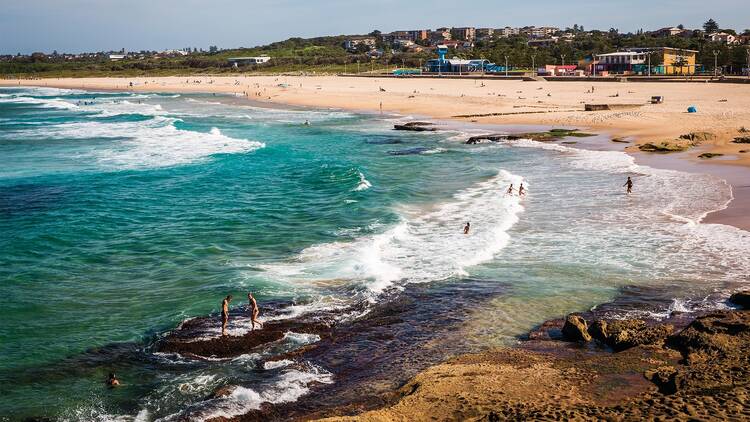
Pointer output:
x,y
602,369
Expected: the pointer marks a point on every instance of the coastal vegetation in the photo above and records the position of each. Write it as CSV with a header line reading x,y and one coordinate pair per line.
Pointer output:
x,y
328,55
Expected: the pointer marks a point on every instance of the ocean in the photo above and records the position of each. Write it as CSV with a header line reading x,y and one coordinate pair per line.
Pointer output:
x,y
122,215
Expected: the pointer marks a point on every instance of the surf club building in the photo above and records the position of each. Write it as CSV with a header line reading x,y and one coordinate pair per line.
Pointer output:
x,y
635,61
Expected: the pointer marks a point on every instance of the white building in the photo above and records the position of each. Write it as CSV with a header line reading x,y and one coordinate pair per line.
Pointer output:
x,y
237,61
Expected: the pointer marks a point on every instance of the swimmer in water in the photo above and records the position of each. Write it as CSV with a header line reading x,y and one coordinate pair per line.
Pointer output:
x,y
521,190
467,227
225,314
510,190
307,123
629,184
254,311
112,381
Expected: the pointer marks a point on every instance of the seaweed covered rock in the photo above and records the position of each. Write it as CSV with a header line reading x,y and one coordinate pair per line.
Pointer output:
x,y
575,329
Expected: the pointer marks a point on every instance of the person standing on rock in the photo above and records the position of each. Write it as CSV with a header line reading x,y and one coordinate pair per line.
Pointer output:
x,y
629,184
254,311
225,314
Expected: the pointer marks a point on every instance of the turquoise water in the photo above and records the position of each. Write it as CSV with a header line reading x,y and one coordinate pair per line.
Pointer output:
x,y
121,215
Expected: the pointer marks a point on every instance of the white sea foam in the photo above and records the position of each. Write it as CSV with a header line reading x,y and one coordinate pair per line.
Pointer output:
x,y
41,102
275,364
153,143
427,245
288,387
364,184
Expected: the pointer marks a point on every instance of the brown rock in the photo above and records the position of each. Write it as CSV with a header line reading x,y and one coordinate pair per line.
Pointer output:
x,y
624,334
599,331
575,328
665,378
717,334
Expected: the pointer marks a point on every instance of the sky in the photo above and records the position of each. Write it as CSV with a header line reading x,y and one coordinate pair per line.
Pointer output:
x,y
76,26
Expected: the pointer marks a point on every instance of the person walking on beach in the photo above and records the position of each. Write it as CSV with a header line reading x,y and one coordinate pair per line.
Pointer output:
x,y
225,314
467,227
254,311
521,190
629,184
510,190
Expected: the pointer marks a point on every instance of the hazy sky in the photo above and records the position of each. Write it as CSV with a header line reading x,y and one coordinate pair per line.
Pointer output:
x,y
92,25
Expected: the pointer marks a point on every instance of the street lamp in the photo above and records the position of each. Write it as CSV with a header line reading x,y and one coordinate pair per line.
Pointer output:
x,y
716,62
563,59
533,63
506,65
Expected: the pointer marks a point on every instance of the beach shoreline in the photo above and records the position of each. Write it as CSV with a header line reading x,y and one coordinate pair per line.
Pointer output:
x,y
684,161
723,110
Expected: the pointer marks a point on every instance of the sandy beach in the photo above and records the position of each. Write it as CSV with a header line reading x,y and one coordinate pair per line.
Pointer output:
x,y
723,110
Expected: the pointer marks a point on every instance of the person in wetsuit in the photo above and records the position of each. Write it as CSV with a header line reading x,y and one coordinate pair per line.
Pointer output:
x,y
467,227
254,311
629,184
521,190
510,190
225,314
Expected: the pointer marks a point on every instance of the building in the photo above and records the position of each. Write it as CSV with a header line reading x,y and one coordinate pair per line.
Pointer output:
x,y
621,62
411,35
539,32
508,32
664,61
468,33
401,44
485,33
723,37
354,43
669,31
242,61
440,35
116,57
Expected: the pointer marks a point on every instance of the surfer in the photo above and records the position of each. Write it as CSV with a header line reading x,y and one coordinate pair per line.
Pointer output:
x,y
225,314
467,227
112,381
521,190
254,311
629,184
307,123
510,190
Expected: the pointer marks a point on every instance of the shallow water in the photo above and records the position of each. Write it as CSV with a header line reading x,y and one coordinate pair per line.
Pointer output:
x,y
124,214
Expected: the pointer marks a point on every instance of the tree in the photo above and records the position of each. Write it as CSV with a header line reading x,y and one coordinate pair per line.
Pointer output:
x,y
711,26
680,26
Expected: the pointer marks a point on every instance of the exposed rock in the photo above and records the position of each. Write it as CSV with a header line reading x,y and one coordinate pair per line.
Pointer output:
x,y
742,140
624,334
223,391
716,334
741,298
598,330
665,377
709,155
575,329
697,137
416,127
664,146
